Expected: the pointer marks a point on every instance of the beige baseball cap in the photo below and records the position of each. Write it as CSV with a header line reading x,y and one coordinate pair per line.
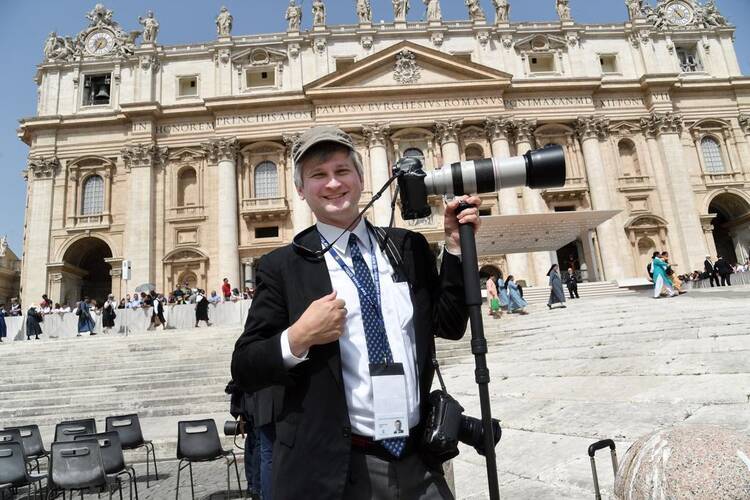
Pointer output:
x,y
316,135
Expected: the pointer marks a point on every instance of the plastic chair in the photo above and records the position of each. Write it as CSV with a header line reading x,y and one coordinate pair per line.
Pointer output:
x,y
33,446
113,458
13,470
5,488
10,436
78,466
67,431
198,441
131,437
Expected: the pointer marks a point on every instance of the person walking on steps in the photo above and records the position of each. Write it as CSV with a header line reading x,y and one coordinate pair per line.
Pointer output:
x,y
571,281
556,294
86,323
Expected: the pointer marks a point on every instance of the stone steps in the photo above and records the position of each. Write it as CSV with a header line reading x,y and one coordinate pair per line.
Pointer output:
x,y
539,295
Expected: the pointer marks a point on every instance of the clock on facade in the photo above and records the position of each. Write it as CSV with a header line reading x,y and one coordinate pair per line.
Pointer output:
x,y
679,13
100,43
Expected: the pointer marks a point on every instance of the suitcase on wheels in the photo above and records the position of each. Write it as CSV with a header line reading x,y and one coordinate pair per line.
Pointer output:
x,y
604,443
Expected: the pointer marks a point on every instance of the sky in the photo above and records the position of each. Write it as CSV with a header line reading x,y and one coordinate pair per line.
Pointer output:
x,y
24,26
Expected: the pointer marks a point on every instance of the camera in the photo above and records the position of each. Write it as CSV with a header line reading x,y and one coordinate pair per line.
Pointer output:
x,y
540,168
446,425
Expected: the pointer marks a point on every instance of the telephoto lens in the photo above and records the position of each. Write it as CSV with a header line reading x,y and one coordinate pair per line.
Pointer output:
x,y
471,433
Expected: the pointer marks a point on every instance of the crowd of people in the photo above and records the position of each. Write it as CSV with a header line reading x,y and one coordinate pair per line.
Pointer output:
x,y
719,272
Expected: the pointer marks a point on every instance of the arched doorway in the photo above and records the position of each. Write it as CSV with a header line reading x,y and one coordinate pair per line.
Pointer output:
x,y
86,272
486,271
731,226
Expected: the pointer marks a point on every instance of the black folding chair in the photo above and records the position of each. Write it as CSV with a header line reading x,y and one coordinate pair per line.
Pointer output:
x,y
33,446
5,489
198,441
113,458
13,470
78,466
67,431
131,437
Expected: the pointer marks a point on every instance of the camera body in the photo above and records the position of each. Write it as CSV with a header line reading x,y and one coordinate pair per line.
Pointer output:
x,y
446,425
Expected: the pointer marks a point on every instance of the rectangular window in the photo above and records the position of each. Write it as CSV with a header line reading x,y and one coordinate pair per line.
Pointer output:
x,y
188,86
689,61
267,232
96,89
542,63
344,63
565,208
265,77
485,212
608,63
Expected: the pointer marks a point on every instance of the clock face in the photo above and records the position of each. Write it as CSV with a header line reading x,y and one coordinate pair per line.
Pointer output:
x,y
679,14
100,43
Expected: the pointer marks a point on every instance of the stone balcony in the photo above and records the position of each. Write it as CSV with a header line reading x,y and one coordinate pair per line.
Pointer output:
x,y
88,222
575,188
263,209
723,179
186,213
634,183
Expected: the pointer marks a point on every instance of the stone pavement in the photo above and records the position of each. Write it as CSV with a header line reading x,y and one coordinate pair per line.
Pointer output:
x,y
616,367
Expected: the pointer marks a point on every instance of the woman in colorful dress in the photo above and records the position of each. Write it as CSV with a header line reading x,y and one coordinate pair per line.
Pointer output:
x,y
516,303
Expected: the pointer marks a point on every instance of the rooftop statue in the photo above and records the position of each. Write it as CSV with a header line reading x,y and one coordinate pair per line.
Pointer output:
x,y
502,10
635,8
475,10
224,22
150,27
433,10
364,11
100,16
319,13
293,16
563,10
400,10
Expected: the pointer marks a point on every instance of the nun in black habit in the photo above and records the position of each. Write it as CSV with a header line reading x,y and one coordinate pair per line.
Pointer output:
x,y
556,294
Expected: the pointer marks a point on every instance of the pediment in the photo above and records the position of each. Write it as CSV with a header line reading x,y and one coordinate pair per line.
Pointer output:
x,y
258,56
540,43
407,66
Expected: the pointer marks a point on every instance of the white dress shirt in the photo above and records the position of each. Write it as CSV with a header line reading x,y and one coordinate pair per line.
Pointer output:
x,y
397,314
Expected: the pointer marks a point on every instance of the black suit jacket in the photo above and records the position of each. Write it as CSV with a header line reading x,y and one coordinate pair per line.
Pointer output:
x,y
709,267
722,266
313,432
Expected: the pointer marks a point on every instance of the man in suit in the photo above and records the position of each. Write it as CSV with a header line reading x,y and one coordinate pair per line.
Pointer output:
x,y
572,281
724,269
711,271
321,320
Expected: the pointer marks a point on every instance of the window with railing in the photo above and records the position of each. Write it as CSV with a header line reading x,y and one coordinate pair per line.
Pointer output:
x,y
712,159
266,180
689,61
92,199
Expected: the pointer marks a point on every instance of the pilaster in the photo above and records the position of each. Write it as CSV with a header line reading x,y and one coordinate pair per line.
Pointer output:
x,y
446,134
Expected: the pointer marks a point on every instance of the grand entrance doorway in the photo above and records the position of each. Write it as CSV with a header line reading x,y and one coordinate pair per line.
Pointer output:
x,y
86,273
731,226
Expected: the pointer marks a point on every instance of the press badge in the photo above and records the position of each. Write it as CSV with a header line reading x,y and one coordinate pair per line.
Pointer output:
x,y
389,398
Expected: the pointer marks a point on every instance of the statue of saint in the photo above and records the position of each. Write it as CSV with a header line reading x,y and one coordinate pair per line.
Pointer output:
x,y
634,8
293,16
400,10
364,11
319,13
502,10
711,15
52,46
224,22
563,10
150,27
3,245
433,10
475,10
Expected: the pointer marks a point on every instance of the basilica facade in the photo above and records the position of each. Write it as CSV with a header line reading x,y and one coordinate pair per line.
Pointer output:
x,y
176,159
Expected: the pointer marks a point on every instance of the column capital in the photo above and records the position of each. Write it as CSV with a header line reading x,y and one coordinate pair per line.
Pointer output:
x,y
376,134
662,123
447,130
497,127
524,129
144,155
706,222
222,149
290,140
744,123
592,127
41,167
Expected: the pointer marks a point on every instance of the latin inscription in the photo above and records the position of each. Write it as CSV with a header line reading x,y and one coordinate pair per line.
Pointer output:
x,y
259,118
408,105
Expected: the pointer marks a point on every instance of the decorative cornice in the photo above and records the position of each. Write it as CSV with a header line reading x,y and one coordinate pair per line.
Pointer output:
x,y
498,127
662,123
447,130
222,149
592,127
376,133
524,129
144,155
43,168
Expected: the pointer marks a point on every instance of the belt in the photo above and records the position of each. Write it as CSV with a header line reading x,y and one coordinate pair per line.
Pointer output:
x,y
368,446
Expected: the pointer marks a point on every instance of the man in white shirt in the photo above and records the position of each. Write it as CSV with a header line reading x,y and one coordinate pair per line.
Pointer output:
x,y
336,328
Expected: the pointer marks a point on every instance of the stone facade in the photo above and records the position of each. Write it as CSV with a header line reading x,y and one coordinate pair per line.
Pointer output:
x,y
176,158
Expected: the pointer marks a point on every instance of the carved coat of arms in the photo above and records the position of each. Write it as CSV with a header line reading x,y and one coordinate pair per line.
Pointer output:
x,y
406,70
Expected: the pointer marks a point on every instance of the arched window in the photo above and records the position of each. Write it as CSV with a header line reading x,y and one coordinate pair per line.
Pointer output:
x,y
712,155
93,196
629,158
187,188
266,180
415,153
473,152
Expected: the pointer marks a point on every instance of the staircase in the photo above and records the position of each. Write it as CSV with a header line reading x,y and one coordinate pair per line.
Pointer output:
x,y
540,295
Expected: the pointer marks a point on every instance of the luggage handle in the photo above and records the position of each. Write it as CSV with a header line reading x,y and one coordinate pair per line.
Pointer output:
x,y
604,443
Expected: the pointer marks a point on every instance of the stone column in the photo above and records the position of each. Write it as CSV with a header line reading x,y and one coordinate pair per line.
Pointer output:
x,y
708,234
41,174
140,160
224,152
744,121
498,129
667,128
376,135
532,201
589,130
446,133
301,214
